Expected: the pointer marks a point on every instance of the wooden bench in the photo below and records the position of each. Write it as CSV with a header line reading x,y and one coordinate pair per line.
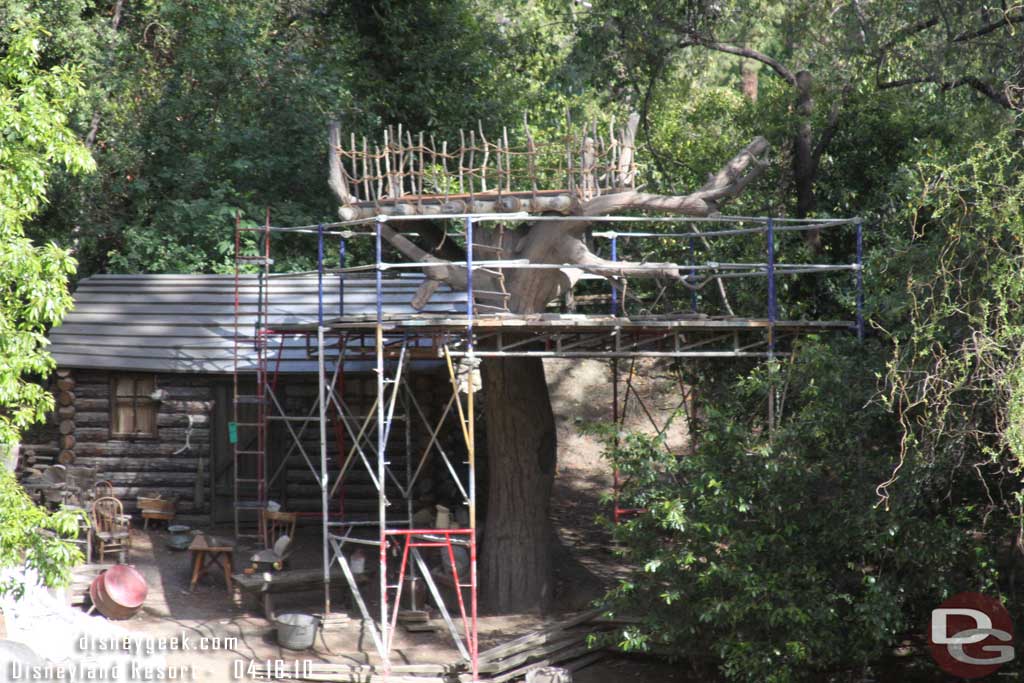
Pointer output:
x,y
267,584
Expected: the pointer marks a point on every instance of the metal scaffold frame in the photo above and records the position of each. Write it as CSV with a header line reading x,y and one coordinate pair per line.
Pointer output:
x,y
458,339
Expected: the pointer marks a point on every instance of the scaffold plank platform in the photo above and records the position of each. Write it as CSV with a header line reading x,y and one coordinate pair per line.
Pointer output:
x,y
553,322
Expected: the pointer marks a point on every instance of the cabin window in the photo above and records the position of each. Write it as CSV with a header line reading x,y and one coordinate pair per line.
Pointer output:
x,y
133,411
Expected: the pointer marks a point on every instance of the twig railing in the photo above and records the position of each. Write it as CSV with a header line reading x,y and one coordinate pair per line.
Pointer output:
x,y
403,167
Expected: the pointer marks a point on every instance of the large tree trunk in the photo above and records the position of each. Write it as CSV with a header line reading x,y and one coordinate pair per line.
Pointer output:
x,y
803,153
516,555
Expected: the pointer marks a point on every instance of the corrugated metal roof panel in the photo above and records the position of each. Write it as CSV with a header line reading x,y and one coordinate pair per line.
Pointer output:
x,y
186,323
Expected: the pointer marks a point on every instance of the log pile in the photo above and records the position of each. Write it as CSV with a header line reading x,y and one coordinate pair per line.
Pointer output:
x,y
66,415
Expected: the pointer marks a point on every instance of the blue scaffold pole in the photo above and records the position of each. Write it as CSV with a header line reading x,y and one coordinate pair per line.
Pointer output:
x,y
860,280
341,278
693,276
615,292
320,274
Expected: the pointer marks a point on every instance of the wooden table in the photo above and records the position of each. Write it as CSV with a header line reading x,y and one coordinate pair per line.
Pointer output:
x,y
153,514
207,552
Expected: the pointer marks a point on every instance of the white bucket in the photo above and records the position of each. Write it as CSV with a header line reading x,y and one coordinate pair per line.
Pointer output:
x,y
443,519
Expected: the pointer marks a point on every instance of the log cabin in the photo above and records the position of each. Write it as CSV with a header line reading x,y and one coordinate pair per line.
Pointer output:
x,y
145,380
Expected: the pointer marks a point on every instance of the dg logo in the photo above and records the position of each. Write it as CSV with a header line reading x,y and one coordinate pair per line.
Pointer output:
x,y
971,635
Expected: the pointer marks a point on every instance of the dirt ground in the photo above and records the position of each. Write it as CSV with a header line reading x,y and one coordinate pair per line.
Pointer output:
x,y
585,567
585,564
211,612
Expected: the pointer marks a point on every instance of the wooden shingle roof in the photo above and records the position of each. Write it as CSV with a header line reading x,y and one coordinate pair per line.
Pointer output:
x,y
186,323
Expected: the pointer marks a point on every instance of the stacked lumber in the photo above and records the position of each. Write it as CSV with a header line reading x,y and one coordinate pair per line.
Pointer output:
x,y
564,644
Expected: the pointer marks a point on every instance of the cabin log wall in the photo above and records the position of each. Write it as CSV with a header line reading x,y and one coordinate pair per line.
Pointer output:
x,y
138,465
134,465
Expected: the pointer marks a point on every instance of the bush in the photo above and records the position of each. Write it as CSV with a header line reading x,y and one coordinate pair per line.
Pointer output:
x,y
34,539
765,553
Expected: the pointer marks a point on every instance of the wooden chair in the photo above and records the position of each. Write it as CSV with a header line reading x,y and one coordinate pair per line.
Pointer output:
x,y
277,530
111,528
274,525
103,489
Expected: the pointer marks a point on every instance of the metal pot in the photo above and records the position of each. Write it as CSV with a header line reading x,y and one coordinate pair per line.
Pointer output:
x,y
180,537
119,592
296,631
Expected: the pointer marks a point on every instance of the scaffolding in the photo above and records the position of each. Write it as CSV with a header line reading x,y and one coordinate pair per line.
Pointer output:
x,y
456,335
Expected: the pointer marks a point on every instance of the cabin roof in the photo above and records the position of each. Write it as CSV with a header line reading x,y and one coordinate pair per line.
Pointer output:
x,y
186,323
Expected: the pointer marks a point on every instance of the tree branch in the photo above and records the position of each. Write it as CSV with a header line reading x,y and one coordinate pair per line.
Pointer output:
x,y
94,125
559,243
747,52
439,243
908,31
334,174
729,182
988,28
645,108
974,82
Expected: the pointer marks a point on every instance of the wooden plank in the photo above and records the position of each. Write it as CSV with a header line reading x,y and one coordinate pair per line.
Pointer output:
x,y
537,637
551,660
129,494
92,404
88,390
200,435
92,434
179,392
400,673
92,419
200,419
585,661
555,644
150,480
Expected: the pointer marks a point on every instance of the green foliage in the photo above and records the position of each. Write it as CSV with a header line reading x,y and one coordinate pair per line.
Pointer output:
x,y
33,280
33,539
33,284
202,110
767,555
954,380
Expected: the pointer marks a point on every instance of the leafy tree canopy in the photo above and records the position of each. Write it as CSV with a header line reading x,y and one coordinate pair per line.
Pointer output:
x,y
37,138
